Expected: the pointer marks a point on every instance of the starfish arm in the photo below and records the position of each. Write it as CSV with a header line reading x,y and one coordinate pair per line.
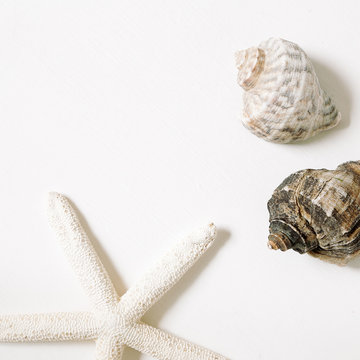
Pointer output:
x,y
81,254
164,346
109,348
166,273
48,327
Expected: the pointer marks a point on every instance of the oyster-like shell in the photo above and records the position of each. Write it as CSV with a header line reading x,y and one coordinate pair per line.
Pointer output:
x,y
283,100
318,212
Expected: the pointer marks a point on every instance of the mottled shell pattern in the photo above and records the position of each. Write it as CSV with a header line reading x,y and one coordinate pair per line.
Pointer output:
x,y
283,100
318,212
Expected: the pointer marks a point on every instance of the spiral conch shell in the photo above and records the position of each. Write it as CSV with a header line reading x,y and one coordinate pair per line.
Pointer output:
x,y
283,100
318,212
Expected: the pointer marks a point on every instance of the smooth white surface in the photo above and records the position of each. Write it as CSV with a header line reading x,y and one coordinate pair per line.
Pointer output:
x,y
131,108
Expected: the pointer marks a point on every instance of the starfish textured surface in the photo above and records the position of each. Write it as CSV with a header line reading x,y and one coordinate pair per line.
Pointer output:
x,y
114,322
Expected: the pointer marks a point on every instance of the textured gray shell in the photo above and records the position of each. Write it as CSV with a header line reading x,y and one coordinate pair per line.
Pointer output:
x,y
283,100
318,211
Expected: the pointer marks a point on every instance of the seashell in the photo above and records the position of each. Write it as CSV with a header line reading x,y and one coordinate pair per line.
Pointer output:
x,y
318,212
283,100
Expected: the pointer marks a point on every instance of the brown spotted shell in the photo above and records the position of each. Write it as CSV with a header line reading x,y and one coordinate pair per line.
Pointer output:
x,y
318,212
283,100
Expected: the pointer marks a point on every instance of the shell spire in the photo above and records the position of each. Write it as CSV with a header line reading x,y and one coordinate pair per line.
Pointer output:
x,y
279,241
250,63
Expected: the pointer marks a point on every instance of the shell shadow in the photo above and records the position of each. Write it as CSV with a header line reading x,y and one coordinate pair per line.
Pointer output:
x,y
334,85
354,263
154,315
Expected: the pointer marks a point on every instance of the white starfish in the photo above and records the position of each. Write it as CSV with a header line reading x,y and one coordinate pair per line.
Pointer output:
x,y
115,322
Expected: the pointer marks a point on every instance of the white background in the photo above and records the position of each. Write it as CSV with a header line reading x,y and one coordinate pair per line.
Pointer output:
x,y
131,108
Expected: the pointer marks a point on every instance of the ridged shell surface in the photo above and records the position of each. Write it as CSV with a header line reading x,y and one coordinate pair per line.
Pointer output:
x,y
318,212
283,100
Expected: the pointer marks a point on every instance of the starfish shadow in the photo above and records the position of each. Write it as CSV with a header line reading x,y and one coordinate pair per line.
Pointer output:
x,y
159,309
154,315
131,354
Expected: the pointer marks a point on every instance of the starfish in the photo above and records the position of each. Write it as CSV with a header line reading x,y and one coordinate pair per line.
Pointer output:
x,y
114,322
